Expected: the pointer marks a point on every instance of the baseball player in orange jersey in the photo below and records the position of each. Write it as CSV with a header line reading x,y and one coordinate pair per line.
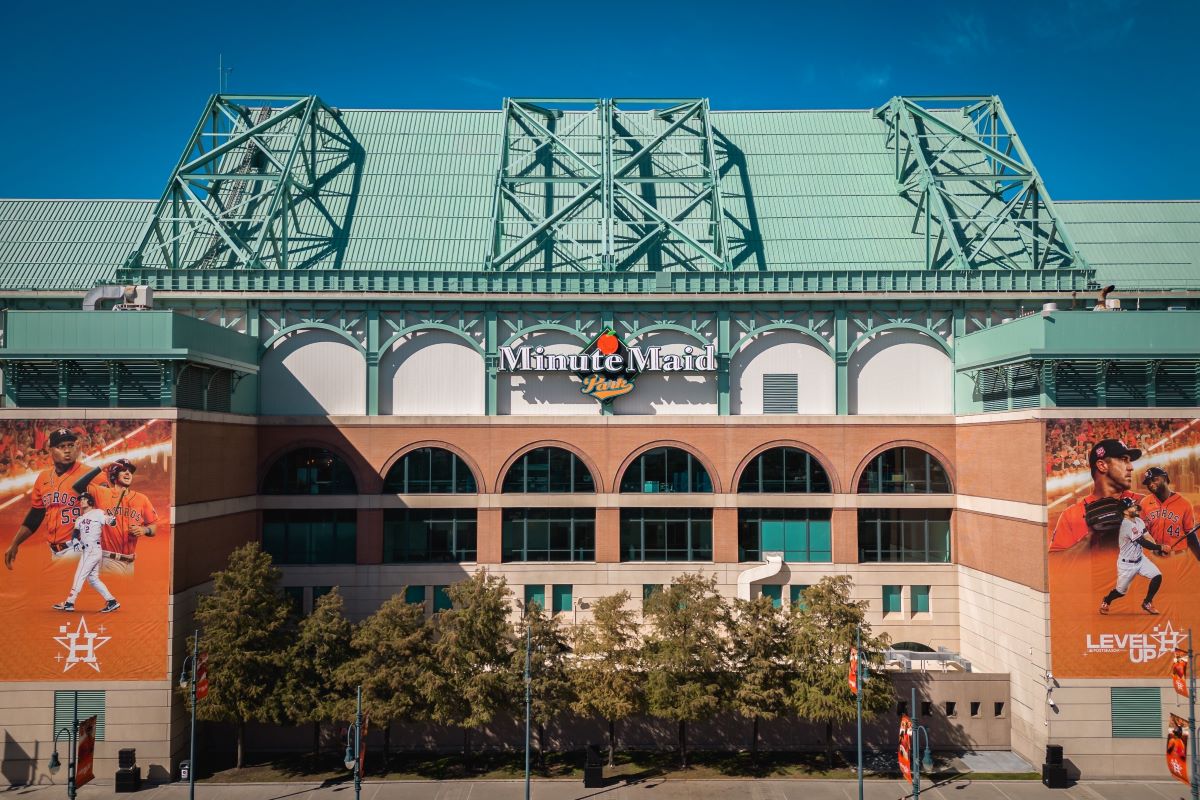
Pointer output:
x,y
1097,518
134,513
55,499
1168,514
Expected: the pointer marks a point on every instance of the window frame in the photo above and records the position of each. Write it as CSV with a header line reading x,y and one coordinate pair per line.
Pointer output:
x,y
692,519
871,481
580,479
872,541
293,518
750,522
580,523
461,480
698,479
752,480
282,478
464,528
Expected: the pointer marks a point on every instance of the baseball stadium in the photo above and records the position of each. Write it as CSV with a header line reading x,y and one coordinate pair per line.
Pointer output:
x,y
591,345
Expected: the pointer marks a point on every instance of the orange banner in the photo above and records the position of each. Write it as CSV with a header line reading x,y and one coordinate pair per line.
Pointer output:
x,y
84,751
1177,749
202,676
1179,672
1123,556
904,751
85,530
853,677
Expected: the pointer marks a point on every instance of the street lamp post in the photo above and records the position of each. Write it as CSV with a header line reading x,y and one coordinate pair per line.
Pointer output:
x,y
528,701
354,750
70,734
858,693
926,760
187,677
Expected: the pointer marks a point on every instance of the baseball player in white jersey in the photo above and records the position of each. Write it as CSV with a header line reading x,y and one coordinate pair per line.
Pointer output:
x,y
86,538
1131,561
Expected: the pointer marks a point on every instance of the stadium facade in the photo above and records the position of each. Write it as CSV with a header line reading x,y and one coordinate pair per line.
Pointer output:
x,y
591,345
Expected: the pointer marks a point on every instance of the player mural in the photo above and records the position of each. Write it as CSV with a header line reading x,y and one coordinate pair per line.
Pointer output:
x,y
1124,561
84,510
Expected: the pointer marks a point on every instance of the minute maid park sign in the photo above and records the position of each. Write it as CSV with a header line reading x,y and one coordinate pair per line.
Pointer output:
x,y
607,366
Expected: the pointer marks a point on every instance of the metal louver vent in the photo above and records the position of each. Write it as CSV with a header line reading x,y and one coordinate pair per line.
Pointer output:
x,y
219,392
87,384
781,394
1136,712
34,383
139,383
1175,384
1075,384
189,391
91,703
1025,391
1125,384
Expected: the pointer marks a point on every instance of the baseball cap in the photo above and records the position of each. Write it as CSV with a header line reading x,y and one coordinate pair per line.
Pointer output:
x,y
62,435
121,465
1154,472
1111,448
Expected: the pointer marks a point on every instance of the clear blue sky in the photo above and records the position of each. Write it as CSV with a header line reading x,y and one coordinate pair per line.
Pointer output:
x,y
99,97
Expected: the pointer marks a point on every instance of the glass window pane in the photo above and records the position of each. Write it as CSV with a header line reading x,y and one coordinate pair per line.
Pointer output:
x,y
772,471
920,599
535,594
775,592
797,596
418,471
562,597
441,471
309,470
429,470
414,594
773,535
441,598
891,599
558,469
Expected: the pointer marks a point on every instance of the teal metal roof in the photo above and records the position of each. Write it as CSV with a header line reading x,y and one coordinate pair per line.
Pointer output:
x,y
1146,244
66,244
816,189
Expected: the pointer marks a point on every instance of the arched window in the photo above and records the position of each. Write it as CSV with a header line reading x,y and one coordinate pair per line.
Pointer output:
x,y
429,470
666,469
904,470
548,470
309,470
784,470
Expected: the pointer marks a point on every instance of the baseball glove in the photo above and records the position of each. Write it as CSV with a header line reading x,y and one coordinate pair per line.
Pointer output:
x,y
1104,516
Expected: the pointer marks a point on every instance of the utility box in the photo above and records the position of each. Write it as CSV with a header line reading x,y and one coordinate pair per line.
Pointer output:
x,y
185,770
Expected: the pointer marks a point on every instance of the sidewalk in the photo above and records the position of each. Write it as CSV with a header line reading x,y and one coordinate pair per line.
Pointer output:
x,y
650,789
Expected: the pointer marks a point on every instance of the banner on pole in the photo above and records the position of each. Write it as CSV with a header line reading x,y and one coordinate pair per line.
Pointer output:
x,y
853,670
202,676
1177,749
85,749
1179,672
904,752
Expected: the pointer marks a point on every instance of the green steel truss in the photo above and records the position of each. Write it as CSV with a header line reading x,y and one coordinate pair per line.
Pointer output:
x,y
978,197
250,190
607,185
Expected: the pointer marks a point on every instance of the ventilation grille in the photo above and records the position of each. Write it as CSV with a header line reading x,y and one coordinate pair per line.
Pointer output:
x,y
34,383
1136,712
189,390
1125,384
87,383
91,703
781,394
220,390
139,383
1075,384
1175,384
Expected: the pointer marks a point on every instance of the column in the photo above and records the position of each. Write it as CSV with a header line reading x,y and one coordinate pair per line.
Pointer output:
x,y
369,536
488,536
844,524
725,535
608,535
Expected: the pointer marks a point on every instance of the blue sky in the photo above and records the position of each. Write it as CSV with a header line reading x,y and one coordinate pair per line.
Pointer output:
x,y
101,96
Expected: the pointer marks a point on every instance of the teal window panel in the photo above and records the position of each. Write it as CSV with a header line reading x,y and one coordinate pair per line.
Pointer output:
x,y
441,598
414,594
563,600
797,596
1136,712
802,535
773,535
891,599
920,599
649,589
535,593
91,703
775,592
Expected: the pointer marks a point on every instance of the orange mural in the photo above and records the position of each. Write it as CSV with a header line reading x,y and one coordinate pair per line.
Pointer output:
x,y
1123,557
84,527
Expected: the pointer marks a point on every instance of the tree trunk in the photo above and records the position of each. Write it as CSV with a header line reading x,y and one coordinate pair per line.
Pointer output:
x,y
541,747
683,745
754,739
317,741
612,741
241,741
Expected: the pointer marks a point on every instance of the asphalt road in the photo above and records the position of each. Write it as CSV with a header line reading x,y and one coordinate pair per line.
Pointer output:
x,y
653,789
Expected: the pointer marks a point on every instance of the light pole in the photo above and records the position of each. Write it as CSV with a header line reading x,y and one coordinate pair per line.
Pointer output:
x,y
70,733
528,700
187,677
354,750
926,759
858,693
1192,714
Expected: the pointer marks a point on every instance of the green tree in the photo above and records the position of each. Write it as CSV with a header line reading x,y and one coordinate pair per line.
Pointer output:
x,y
473,679
389,661
244,629
311,691
605,672
686,653
822,635
758,641
549,682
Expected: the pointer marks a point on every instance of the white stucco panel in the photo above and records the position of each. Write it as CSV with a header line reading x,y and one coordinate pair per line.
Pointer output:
x,y
313,372
431,372
901,372
783,352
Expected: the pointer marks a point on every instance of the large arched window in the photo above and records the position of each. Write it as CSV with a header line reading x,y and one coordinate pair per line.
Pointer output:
x,y
429,470
666,469
548,470
904,470
309,470
784,470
